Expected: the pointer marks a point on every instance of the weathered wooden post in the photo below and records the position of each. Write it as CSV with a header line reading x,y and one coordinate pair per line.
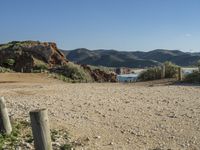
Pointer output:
x,y
162,71
180,76
5,125
41,129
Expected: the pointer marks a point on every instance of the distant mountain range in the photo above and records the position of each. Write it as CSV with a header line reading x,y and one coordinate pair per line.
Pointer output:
x,y
113,58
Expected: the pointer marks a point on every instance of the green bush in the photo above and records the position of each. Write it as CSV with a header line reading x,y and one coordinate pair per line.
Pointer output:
x,y
9,62
193,77
3,70
60,77
150,74
155,72
73,73
171,70
39,65
66,147
198,64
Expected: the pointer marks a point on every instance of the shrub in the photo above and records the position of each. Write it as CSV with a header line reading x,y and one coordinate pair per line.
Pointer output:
x,y
194,77
171,70
155,72
150,74
198,64
60,77
75,72
9,62
39,65
3,70
71,73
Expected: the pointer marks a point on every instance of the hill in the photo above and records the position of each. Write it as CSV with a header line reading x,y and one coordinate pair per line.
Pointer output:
x,y
34,56
113,58
29,55
109,58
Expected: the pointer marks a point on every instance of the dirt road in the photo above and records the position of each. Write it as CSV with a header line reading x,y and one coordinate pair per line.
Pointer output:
x,y
111,116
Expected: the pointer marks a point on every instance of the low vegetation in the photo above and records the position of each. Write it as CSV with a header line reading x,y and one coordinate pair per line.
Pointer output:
x,y
171,70
103,68
76,72
3,70
16,44
9,62
21,138
61,77
193,77
154,73
39,65
71,73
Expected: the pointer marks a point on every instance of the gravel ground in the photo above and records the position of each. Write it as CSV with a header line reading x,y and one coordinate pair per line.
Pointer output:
x,y
111,116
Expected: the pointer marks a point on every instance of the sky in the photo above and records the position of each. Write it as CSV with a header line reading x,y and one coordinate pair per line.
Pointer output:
x,y
126,25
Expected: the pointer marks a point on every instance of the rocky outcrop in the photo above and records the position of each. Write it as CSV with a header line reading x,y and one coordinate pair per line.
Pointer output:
x,y
32,55
27,54
99,75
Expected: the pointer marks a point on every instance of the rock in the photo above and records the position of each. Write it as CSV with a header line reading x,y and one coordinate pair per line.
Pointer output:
x,y
28,54
97,137
99,75
87,139
111,143
172,115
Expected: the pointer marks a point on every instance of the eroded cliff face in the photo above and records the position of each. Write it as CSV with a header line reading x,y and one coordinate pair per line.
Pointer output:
x,y
27,54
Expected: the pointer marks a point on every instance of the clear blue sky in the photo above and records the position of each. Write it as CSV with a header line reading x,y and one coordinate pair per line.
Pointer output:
x,y
110,24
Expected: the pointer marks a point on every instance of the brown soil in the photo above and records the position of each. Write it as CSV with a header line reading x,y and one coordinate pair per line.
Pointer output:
x,y
111,116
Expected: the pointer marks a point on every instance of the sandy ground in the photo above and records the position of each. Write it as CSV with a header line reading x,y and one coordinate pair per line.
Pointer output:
x,y
109,116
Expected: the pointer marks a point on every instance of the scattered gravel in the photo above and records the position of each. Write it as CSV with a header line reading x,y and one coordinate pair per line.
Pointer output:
x,y
124,116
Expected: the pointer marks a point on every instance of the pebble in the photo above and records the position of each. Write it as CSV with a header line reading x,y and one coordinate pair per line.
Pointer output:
x,y
97,137
111,143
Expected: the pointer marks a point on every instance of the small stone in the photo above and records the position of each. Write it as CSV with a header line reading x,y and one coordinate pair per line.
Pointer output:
x,y
98,137
122,131
111,143
87,139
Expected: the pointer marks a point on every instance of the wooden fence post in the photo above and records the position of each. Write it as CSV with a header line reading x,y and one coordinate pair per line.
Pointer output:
x,y
41,129
180,76
163,72
5,125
